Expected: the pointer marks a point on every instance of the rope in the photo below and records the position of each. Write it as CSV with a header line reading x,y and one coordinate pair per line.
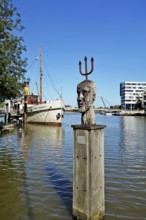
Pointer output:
x,y
47,75
51,81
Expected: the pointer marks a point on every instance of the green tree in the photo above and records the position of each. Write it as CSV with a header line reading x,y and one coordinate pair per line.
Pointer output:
x,y
12,62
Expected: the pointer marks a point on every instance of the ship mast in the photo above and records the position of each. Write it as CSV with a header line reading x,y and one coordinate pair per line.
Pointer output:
x,y
41,74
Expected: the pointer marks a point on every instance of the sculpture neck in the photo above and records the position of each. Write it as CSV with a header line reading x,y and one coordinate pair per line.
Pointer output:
x,y
88,117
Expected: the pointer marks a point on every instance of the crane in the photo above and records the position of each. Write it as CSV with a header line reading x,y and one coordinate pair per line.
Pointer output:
x,y
103,102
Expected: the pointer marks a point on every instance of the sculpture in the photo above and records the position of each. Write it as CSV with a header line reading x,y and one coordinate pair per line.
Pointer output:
x,y
86,94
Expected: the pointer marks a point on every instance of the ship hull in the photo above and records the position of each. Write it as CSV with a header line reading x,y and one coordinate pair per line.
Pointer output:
x,y
50,113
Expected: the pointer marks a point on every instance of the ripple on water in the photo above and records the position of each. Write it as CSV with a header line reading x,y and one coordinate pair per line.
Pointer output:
x,y
36,170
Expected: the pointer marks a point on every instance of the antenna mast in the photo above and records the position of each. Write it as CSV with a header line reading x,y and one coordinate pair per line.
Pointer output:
x,y
41,74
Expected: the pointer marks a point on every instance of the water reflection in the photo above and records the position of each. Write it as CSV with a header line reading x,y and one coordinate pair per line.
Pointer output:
x,y
63,186
47,144
36,170
39,183
126,170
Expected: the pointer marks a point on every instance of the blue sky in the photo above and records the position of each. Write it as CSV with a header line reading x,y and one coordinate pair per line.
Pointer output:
x,y
111,31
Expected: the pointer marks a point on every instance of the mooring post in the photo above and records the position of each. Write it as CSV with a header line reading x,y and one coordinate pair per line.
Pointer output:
x,y
25,114
20,123
88,164
6,113
5,118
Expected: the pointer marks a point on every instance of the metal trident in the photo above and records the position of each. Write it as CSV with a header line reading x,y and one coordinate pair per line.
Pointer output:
x,y
86,69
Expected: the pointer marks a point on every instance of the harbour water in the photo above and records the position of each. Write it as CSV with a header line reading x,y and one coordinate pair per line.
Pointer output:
x,y
36,170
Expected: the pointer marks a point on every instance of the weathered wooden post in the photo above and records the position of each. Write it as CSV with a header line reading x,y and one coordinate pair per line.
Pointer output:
x,y
25,113
20,123
88,168
7,114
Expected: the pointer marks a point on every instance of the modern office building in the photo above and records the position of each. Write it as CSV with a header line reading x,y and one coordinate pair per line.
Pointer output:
x,y
144,98
132,94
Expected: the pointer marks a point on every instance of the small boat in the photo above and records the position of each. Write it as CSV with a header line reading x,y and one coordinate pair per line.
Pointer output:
x,y
35,110
105,112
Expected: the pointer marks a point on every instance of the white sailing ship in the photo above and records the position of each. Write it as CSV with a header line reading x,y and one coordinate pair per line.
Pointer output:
x,y
35,109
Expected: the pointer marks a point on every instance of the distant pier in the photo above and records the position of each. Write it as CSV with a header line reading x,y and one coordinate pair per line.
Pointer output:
x,y
116,112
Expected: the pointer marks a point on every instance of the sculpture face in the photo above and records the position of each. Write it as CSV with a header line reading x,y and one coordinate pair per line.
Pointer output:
x,y
86,92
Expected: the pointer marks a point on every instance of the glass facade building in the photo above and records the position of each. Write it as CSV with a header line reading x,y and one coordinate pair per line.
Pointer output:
x,y
131,93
